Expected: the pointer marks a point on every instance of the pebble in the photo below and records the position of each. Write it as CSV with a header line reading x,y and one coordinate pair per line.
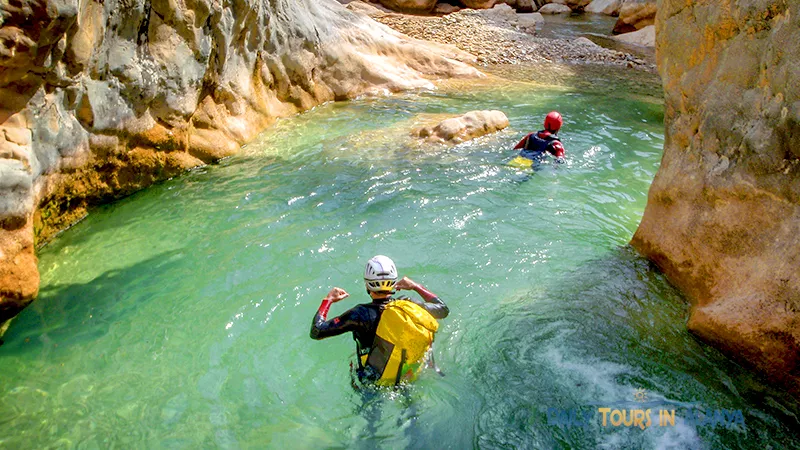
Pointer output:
x,y
502,43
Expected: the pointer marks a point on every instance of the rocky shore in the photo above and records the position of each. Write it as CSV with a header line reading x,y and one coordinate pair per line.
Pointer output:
x,y
501,36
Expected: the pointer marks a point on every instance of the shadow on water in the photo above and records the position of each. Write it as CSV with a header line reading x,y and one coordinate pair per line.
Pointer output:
x,y
615,330
70,314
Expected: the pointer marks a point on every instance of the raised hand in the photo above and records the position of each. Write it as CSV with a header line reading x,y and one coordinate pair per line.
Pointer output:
x,y
336,294
405,284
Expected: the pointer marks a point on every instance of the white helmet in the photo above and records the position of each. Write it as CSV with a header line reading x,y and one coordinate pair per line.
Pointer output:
x,y
380,274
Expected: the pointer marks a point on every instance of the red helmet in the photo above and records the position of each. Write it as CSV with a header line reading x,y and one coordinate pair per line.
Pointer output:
x,y
553,121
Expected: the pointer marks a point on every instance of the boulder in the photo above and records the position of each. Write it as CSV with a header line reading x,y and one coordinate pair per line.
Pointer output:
x,y
608,7
525,6
635,16
479,4
530,22
445,8
554,8
646,37
410,6
500,13
722,214
463,128
365,8
576,5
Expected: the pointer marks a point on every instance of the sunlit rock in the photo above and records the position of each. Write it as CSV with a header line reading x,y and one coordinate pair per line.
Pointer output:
x,y
645,37
409,6
608,7
101,99
463,128
635,15
554,8
445,8
479,4
530,22
723,214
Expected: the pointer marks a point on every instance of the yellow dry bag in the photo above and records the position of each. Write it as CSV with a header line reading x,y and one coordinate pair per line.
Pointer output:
x,y
404,335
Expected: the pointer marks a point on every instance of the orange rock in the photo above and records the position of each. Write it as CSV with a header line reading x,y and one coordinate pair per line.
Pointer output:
x,y
722,214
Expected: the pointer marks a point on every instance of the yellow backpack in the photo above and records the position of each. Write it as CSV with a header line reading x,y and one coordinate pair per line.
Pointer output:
x,y
404,334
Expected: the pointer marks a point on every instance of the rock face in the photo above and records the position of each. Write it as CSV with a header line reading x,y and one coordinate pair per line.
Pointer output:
x,y
723,213
100,98
635,15
469,126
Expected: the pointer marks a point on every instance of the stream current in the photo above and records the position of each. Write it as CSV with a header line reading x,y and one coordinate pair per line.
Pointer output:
x,y
178,317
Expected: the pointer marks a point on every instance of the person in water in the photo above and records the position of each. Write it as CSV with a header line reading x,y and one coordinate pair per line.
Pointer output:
x,y
392,334
536,146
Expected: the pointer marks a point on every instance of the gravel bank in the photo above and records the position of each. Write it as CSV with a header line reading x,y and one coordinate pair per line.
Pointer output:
x,y
500,42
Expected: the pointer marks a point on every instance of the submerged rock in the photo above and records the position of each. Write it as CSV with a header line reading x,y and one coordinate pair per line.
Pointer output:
x,y
101,99
463,128
723,213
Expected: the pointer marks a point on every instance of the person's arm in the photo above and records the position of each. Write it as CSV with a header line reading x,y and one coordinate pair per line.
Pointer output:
x,y
557,150
521,144
433,304
322,328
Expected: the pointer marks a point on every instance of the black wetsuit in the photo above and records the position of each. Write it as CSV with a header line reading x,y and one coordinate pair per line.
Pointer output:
x,y
363,320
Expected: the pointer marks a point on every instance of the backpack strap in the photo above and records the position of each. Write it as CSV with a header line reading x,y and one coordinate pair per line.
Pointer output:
x,y
403,359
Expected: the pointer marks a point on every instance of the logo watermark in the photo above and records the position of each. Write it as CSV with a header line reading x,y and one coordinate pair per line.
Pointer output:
x,y
642,413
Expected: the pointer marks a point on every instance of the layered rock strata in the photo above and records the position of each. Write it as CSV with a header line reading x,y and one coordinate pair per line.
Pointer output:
x,y
101,98
723,214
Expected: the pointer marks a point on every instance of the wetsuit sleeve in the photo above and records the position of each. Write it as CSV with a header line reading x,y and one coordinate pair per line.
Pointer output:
x,y
557,149
433,304
322,328
521,144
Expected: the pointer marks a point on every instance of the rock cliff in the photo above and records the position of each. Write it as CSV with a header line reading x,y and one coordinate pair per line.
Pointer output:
x,y
100,98
723,213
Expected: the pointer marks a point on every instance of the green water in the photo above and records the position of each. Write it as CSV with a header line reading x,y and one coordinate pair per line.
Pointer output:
x,y
179,317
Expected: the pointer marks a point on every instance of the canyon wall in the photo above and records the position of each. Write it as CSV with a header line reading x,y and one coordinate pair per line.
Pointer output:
x,y
101,98
723,214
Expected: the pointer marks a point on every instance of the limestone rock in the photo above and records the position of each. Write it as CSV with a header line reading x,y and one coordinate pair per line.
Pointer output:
x,y
445,8
576,5
479,4
723,211
100,99
554,8
525,6
500,13
645,37
365,8
608,7
463,128
635,15
530,22
409,6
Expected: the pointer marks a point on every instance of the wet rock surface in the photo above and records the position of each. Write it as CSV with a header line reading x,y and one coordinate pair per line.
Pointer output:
x,y
99,99
722,214
471,125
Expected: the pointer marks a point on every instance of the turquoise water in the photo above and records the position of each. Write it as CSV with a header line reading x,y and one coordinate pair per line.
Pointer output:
x,y
179,317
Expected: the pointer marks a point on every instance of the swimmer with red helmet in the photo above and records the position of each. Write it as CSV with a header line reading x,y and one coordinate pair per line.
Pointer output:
x,y
536,146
